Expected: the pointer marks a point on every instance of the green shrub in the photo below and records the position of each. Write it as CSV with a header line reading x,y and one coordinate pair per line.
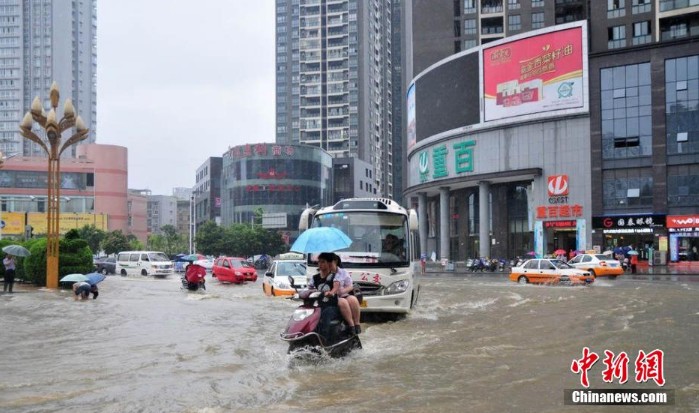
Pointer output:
x,y
75,256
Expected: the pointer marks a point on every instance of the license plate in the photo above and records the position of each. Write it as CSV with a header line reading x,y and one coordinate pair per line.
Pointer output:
x,y
363,304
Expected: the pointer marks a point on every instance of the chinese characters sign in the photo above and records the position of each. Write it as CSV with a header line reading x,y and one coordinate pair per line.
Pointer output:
x,y
535,74
628,223
259,149
461,157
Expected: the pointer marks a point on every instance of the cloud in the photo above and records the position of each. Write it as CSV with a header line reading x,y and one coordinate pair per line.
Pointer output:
x,y
179,82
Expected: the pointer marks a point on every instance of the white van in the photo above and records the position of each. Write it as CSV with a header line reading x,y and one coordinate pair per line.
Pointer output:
x,y
144,263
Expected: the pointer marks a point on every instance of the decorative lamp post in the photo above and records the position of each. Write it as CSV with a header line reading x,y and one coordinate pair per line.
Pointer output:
x,y
53,148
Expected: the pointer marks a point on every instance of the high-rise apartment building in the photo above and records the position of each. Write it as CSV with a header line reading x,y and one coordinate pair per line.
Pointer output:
x,y
334,77
42,41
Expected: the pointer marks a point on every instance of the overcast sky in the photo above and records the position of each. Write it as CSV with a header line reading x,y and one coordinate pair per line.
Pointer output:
x,y
180,81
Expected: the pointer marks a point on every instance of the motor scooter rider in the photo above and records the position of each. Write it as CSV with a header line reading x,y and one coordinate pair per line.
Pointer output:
x,y
347,291
194,273
327,277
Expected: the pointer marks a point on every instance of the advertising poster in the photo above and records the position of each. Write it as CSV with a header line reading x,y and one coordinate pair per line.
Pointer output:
x,y
412,137
67,221
535,74
14,223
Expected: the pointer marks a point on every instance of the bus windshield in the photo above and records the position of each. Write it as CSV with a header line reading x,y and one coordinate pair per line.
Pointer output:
x,y
378,238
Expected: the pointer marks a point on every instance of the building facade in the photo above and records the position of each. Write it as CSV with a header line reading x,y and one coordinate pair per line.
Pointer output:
x,y
161,211
42,41
207,192
93,192
643,111
274,179
334,77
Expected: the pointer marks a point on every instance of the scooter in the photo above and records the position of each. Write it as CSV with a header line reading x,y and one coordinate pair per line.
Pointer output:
x,y
193,286
318,328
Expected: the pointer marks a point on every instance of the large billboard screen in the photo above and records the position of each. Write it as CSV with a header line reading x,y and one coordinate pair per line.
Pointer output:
x,y
447,97
535,74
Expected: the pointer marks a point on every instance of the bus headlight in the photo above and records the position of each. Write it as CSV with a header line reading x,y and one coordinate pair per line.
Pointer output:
x,y
398,287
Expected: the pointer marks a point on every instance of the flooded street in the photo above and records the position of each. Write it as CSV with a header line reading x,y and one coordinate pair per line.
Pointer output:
x,y
479,343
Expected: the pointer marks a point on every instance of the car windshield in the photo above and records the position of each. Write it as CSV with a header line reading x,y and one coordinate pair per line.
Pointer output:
x,y
158,256
291,268
602,257
378,238
241,264
560,264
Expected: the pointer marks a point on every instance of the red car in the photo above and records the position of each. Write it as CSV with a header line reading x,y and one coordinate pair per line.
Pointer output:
x,y
233,270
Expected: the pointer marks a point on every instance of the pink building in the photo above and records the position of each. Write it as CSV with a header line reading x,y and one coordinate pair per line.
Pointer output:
x,y
94,188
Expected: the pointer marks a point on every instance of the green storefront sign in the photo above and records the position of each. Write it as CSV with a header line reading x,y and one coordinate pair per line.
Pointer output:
x,y
462,157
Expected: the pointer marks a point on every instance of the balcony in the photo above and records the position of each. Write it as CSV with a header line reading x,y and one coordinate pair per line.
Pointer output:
x,y
667,5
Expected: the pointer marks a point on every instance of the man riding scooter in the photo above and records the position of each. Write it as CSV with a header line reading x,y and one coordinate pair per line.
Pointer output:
x,y
194,277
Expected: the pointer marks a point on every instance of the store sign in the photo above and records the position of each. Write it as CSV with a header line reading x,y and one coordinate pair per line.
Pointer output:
x,y
682,221
560,224
557,190
459,160
559,211
557,185
628,223
273,188
259,149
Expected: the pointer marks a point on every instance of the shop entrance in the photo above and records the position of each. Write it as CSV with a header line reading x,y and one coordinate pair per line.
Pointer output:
x,y
565,239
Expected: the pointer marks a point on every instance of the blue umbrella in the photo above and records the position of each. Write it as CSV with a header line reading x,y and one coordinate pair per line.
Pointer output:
x,y
321,239
73,278
95,278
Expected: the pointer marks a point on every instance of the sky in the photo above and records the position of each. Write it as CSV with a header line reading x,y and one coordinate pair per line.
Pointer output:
x,y
181,81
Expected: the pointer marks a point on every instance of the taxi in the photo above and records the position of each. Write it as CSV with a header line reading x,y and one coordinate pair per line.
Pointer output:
x,y
599,265
276,280
549,271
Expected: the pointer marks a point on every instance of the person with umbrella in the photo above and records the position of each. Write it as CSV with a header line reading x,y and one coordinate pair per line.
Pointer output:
x,y
9,263
82,290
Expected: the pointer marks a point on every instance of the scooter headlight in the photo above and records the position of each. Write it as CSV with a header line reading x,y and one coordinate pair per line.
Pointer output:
x,y
398,287
302,314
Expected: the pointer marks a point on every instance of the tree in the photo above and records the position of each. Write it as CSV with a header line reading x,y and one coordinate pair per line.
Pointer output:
x,y
93,236
115,242
134,243
211,239
172,239
156,242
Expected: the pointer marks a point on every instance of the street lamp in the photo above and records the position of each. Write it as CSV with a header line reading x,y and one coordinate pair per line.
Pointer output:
x,y
53,148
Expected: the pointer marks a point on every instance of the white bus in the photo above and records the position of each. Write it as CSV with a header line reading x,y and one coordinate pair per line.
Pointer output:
x,y
384,257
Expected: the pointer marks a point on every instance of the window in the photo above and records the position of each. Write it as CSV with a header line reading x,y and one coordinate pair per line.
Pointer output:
x,y
615,8
513,4
682,105
514,22
626,111
683,185
537,3
470,6
640,6
627,188
470,26
641,32
616,37
537,19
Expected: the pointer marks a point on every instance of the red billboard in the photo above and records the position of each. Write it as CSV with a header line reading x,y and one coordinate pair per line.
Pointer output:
x,y
535,74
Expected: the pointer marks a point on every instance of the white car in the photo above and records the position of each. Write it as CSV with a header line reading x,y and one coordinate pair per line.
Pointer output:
x,y
276,279
599,265
207,263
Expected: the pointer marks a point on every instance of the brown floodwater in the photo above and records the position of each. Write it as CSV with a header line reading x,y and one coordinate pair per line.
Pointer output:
x,y
476,343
